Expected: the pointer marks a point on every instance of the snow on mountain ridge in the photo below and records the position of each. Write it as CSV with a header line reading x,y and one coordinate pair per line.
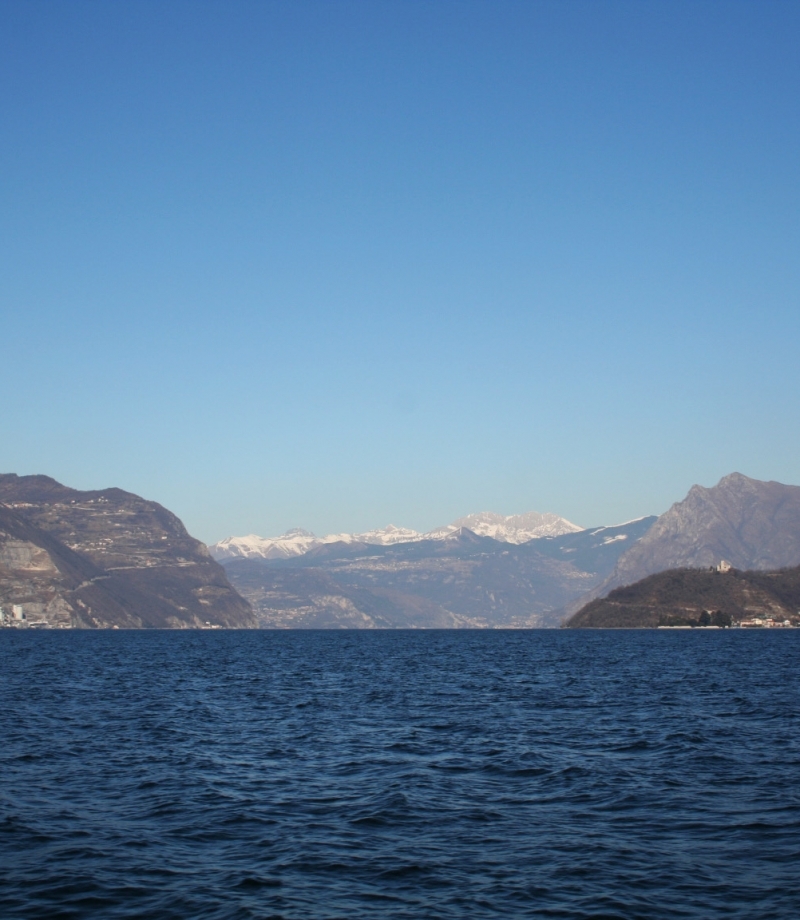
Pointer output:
x,y
294,542
384,537
513,528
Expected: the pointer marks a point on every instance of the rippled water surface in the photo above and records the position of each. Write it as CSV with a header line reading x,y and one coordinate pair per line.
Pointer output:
x,y
400,774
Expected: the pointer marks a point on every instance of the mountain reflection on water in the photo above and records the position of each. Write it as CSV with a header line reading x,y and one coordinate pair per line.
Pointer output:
x,y
400,774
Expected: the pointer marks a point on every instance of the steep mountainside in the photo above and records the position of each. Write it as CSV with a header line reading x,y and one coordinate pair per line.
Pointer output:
x,y
106,558
749,523
697,597
515,528
463,580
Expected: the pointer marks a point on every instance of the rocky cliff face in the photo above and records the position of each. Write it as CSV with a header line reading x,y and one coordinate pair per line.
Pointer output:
x,y
106,558
749,523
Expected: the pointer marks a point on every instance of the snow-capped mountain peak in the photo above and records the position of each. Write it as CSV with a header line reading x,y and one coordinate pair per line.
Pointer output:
x,y
512,528
384,537
294,542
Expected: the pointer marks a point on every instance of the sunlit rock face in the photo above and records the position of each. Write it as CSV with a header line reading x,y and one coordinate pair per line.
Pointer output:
x,y
106,558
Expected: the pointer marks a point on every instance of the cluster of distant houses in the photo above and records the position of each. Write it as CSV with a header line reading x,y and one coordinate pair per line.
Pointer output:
x,y
14,616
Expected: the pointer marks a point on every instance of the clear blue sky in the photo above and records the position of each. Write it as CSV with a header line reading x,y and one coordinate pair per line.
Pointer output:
x,y
336,264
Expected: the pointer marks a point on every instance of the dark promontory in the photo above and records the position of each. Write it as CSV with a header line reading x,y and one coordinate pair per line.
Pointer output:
x,y
698,597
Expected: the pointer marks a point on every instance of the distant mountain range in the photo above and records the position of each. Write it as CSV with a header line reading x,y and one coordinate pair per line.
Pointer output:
x,y
460,579
515,528
105,559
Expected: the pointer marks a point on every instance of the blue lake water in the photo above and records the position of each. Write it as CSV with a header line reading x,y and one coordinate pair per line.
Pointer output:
x,y
610,774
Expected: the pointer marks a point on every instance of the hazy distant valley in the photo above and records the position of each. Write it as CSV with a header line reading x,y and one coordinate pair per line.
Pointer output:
x,y
461,580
